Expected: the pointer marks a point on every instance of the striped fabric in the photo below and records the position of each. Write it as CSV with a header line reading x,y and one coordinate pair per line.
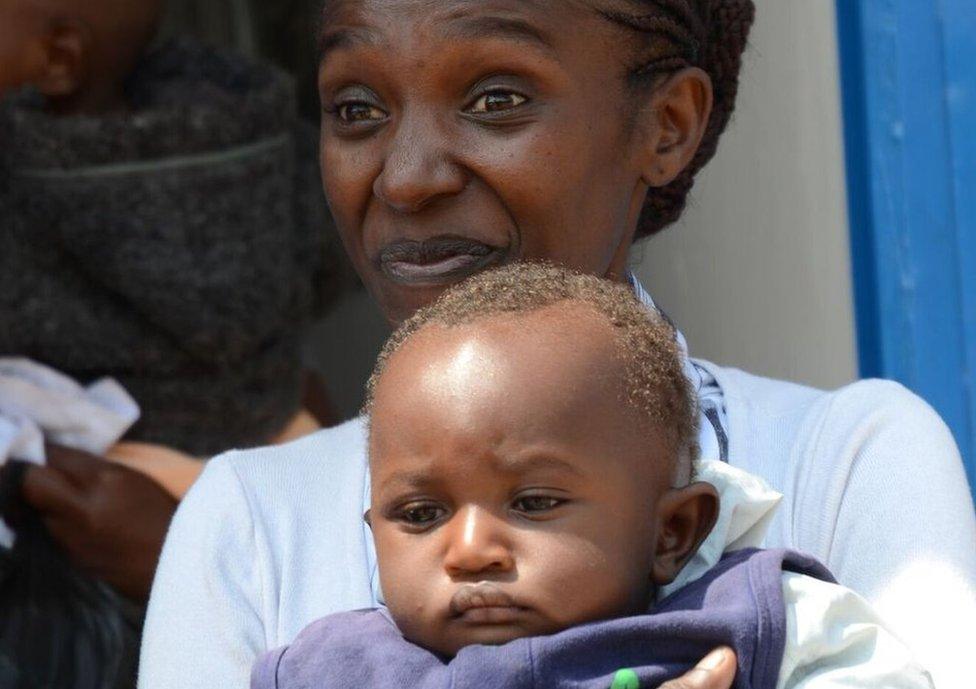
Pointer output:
x,y
712,435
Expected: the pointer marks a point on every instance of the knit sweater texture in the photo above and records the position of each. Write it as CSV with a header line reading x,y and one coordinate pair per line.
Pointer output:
x,y
180,247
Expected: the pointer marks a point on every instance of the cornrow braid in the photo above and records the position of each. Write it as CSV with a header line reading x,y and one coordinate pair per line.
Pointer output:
x,y
711,35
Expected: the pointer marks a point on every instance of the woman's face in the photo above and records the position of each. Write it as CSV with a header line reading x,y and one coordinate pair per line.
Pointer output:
x,y
461,134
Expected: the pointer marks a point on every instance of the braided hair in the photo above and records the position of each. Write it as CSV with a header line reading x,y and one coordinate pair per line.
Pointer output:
x,y
709,34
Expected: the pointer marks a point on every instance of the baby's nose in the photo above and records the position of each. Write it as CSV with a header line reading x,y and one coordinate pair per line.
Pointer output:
x,y
478,544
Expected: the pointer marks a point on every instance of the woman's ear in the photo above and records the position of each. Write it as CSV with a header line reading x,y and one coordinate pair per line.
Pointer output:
x,y
67,47
675,122
685,518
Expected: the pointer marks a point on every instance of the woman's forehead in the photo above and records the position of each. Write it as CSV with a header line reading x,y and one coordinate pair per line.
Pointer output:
x,y
475,18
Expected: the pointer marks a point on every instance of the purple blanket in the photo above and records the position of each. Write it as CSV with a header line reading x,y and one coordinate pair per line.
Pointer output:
x,y
738,603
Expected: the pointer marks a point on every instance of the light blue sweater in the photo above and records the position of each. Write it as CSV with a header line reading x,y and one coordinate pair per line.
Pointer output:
x,y
271,539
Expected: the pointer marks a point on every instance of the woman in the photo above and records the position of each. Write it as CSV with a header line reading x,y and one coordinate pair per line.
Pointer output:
x,y
460,135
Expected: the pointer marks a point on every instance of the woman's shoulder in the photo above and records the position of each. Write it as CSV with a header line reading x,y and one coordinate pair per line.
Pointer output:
x,y
331,449
846,408
848,460
326,465
837,433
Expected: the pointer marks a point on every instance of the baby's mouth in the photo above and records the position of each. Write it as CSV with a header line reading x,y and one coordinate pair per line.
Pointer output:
x,y
437,260
485,603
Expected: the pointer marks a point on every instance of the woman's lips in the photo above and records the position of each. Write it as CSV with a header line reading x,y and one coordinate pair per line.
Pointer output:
x,y
485,603
441,260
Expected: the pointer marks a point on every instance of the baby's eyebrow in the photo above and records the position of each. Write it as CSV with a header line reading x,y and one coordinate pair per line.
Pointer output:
x,y
423,478
539,462
409,479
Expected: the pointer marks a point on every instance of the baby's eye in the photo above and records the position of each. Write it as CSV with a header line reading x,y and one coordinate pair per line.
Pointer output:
x,y
497,101
420,514
358,111
534,504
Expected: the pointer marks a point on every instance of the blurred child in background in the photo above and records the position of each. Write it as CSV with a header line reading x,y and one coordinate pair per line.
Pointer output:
x,y
163,224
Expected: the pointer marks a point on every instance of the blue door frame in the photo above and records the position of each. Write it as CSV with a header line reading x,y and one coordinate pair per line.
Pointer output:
x,y
909,94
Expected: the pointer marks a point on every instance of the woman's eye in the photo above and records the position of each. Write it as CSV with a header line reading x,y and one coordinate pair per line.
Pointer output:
x,y
351,113
497,101
420,514
533,504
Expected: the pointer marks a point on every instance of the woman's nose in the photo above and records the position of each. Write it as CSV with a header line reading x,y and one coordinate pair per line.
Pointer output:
x,y
478,545
418,169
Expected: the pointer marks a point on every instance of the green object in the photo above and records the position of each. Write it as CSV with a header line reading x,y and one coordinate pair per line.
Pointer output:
x,y
625,679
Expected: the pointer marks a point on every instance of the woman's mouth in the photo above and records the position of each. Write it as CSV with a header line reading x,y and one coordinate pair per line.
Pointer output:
x,y
440,260
485,603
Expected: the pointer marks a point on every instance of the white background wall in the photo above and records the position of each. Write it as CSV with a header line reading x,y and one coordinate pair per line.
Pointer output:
x,y
757,273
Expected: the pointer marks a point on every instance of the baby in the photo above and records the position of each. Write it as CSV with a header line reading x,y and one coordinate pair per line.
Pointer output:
x,y
183,242
78,55
533,469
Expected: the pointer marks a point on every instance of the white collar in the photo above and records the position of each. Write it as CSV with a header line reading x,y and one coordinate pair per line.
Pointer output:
x,y
747,506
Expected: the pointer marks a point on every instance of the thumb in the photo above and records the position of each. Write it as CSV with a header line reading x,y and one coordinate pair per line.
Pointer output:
x,y
715,671
77,466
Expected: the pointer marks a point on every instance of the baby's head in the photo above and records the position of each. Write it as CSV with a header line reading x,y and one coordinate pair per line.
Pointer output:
x,y
77,53
532,436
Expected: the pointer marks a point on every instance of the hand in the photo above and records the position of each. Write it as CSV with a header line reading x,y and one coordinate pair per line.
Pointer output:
x,y
715,671
110,520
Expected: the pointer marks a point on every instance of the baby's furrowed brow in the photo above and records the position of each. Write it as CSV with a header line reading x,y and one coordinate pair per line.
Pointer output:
x,y
408,479
539,463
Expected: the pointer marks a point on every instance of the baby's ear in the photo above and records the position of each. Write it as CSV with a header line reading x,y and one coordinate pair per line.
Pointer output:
x,y
66,47
685,518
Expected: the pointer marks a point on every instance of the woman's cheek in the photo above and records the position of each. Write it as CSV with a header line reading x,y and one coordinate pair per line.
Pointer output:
x,y
349,169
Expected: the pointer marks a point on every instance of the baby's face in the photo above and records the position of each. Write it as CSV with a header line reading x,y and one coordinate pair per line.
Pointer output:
x,y
20,26
78,52
514,493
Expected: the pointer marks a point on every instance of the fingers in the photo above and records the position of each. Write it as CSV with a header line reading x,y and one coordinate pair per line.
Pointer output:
x,y
11,483
715,671
49,492
76,466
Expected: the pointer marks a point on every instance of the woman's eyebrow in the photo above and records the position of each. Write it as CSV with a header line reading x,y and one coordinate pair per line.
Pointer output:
x,y
335,39
508,28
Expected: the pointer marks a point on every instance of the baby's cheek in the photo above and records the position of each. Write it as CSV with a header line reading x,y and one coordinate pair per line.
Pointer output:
x,y
11,74
415,607
397,571
581,580
409,573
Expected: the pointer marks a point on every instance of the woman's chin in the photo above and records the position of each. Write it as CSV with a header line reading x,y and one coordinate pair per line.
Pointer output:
x,y
399,301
